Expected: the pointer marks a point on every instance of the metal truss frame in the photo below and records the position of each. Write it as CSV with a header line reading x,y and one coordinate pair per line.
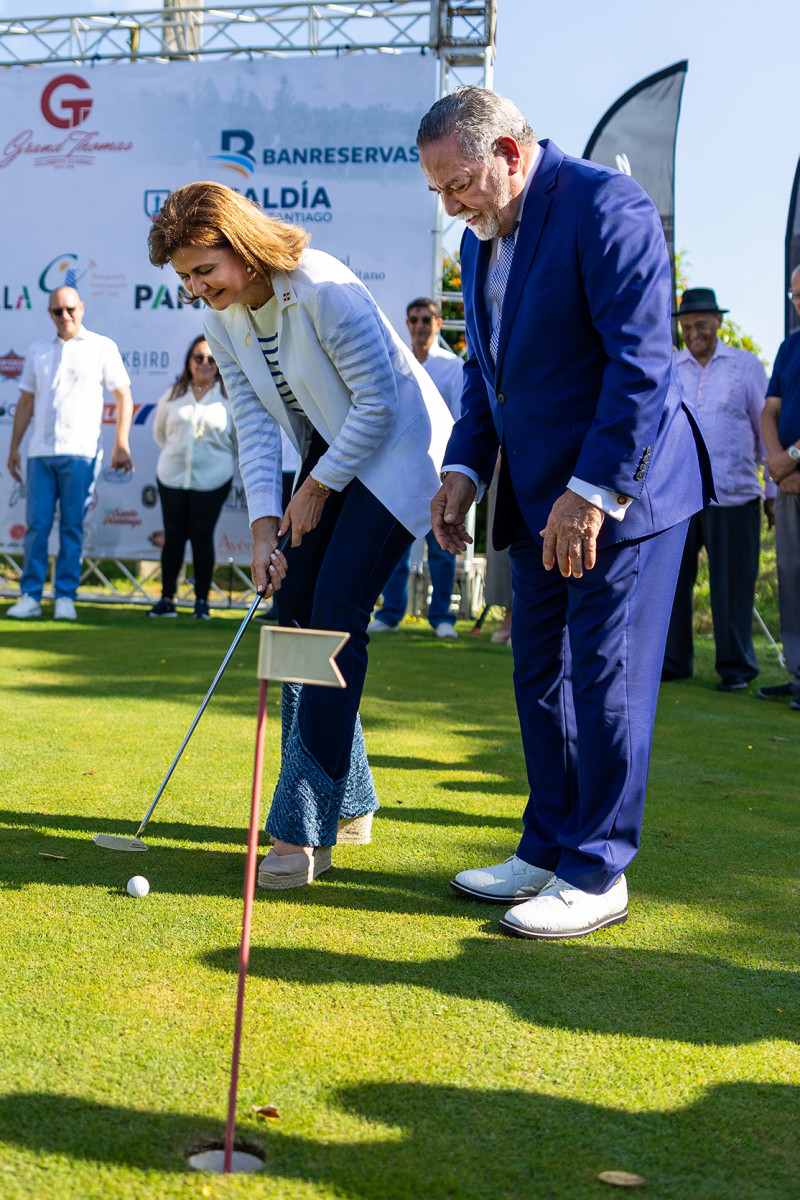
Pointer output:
x,y
461,33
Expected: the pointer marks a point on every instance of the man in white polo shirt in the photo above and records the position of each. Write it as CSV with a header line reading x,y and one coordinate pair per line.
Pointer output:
x,y
62,393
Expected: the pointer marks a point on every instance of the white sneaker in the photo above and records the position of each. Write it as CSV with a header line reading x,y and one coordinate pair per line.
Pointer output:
x,y
378,626
563,911
446,630
510,882
65,609
26,606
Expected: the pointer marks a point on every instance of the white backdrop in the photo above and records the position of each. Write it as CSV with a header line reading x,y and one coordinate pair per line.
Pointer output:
x,y
87,156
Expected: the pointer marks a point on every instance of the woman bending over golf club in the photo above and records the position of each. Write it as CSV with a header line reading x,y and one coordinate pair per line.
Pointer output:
x,y
302,345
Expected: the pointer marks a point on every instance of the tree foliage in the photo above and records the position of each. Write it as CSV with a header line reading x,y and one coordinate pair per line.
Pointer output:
x,y
453,310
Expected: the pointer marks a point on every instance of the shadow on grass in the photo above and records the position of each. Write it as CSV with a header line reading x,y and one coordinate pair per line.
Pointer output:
x,y
85,658
446,817
738,1141
175,870
601,988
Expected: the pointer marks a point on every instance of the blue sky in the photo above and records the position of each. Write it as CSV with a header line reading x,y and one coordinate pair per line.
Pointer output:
x,y
564,62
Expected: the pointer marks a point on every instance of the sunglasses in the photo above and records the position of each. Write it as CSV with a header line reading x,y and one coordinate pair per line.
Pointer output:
x,y
201,358
419,320
57,312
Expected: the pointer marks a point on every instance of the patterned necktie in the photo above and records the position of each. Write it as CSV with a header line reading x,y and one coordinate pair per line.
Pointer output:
x,y
498,282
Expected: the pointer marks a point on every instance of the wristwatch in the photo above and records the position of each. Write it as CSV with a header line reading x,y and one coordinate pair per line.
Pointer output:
x,y
794,453
323,487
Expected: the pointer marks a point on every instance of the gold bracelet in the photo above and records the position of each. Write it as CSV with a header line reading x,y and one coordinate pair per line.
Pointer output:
x,y
322,486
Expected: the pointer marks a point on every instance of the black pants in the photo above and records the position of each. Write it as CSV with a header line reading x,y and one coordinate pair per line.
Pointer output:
x,y
732,539
191,516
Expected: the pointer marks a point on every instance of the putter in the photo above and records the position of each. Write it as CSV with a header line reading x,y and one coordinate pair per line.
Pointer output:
x,y
111,841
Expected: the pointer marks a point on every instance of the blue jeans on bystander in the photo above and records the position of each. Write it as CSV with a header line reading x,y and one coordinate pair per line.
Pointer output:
x,y
442,568
67,479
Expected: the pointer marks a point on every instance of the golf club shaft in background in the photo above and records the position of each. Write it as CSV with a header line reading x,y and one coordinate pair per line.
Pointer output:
x,y
282,545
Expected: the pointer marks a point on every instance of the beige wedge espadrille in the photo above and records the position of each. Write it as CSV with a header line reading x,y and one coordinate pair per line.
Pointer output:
x,y
279,871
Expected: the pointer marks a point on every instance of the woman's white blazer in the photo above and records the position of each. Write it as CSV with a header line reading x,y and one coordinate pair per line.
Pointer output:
x,y
324,312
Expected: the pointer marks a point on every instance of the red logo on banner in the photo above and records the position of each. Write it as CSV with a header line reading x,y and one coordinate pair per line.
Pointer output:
x,y
11,364
73,109
17,533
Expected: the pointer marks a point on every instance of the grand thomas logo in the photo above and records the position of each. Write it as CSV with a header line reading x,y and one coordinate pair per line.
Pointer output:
x,y
66,104
64,101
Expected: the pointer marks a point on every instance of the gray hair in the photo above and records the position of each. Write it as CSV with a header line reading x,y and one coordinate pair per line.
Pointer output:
x,y
476,117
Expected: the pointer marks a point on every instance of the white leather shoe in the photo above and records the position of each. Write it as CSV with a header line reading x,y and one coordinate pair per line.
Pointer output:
x,y
510,882
65,609
563,911
26,606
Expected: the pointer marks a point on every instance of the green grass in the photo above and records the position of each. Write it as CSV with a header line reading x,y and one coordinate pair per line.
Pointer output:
x,y
411,1050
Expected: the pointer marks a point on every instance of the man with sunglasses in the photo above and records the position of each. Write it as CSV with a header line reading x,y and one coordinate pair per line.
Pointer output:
x,y
424,322
62,396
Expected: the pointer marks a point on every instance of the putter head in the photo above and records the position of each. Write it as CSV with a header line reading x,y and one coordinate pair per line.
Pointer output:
x,y
110,841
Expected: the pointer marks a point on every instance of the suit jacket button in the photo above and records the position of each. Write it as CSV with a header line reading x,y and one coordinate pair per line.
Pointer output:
x,y
501,398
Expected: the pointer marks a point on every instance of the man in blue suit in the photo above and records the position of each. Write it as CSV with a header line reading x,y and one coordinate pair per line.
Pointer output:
x,y
567,296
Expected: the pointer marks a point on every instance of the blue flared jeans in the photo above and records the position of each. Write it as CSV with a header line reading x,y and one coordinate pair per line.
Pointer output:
x,y
333,581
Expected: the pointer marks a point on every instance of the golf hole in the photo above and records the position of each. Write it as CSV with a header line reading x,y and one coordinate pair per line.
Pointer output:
x,y
210,1156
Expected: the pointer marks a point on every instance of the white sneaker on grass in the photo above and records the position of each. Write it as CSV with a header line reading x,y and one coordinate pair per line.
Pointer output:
x,y
447,631
376,625
26,606
65,609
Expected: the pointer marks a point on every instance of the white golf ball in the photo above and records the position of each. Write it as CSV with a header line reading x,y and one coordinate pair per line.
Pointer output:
x,y
138,886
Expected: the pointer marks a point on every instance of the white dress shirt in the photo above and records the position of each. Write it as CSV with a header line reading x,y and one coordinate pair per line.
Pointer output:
x,y
197,439
67,381
446,370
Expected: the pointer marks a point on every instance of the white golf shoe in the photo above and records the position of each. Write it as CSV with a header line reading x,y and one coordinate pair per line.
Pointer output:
x,y
26,606
563,911
510,882
65,609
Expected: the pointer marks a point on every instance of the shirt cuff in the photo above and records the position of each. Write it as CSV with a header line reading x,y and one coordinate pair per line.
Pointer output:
x,y
470,474
613,504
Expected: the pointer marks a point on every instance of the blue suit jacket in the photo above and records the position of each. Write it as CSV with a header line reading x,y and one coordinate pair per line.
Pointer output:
x,y
585,382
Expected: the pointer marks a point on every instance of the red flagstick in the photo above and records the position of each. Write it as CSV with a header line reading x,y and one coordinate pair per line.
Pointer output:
x,y
249,893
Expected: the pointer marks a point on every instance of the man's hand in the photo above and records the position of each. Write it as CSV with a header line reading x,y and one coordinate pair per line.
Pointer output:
x,y
268,568
570,536
121,458
449,509
15,464
769,512
791,484
304,510
780,465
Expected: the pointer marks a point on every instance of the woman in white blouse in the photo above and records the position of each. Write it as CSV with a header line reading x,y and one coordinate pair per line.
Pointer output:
x,y
194,428
302,345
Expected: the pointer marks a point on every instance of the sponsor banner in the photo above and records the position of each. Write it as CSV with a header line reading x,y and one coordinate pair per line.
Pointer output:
x,y
86,160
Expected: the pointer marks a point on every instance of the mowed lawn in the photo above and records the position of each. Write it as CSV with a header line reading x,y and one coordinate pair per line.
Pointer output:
x,y
411,1050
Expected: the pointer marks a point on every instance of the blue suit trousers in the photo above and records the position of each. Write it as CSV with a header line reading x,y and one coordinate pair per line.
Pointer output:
x,y
587,665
